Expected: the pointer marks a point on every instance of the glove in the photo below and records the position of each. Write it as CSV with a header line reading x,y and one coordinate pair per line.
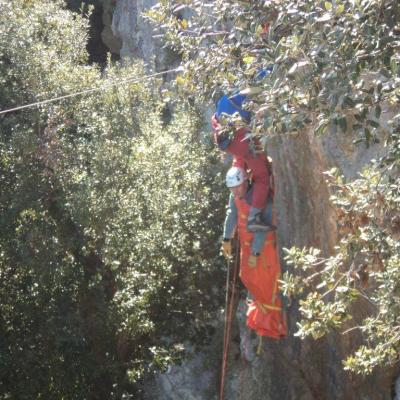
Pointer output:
x,y
226,249
258,145
253,260
215,125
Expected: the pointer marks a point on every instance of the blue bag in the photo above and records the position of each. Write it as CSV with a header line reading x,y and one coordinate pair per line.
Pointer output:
x,y
231,105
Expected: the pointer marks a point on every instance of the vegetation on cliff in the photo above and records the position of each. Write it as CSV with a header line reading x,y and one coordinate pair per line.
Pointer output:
x,y
335,68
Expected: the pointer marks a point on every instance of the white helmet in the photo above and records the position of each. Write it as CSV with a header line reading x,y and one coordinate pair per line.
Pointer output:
x,y
235,177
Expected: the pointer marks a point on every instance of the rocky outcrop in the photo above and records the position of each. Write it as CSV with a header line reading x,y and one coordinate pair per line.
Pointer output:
x,y
135,33
112,41
193,380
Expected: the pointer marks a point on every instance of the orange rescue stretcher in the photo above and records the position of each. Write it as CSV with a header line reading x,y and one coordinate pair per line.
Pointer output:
x,y
265,314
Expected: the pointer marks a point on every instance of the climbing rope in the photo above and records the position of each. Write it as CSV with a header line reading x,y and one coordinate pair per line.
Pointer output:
x,y
229,304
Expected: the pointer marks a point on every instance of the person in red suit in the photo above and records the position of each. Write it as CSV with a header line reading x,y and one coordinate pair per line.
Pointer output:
x,y
246,155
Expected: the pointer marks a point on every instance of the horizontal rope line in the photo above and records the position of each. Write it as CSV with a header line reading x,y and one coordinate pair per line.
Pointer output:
x,y
87,91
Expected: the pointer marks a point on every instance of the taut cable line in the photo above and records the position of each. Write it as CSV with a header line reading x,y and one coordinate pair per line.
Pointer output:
x,y
106,87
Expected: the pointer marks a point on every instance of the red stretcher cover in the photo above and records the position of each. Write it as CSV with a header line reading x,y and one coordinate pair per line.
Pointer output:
x,y
264,314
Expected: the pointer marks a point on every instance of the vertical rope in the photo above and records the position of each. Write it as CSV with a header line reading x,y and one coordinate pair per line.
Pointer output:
x,y
228,278
260,344
228,318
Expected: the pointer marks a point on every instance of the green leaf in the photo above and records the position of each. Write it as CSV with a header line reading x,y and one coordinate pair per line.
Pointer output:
x,y
326,17
248,59
394,65
342,121
358,141
328,5
368,136
378,111
373,123
339,9
320,129
251,91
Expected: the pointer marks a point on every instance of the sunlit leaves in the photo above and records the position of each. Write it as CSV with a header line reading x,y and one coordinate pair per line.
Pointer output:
x,y
319,56
108,217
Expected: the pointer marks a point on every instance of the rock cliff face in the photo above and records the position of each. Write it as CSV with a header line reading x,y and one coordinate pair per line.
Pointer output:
x,y
290,369
294,369
136,34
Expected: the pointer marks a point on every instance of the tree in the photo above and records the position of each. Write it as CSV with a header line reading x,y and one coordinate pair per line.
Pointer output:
x,y
335,67
107,217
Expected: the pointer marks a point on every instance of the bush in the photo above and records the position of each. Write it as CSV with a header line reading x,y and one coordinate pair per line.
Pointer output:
x,y
107,217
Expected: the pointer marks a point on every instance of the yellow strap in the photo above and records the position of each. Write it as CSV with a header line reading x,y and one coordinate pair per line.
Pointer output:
x,y
264,307
259,347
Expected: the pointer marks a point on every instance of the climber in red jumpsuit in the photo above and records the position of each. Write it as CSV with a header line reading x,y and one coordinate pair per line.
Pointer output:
x,y
248,158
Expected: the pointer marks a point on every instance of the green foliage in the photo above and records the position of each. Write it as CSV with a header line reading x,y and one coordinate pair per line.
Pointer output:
x,y
365,268
107,218
335,69
331,66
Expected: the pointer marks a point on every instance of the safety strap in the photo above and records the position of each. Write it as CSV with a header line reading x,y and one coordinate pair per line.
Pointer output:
x,y
265,307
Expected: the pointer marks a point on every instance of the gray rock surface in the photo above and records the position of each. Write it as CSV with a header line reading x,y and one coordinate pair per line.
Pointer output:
x,y
113,43
192,380
397,389
135,33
